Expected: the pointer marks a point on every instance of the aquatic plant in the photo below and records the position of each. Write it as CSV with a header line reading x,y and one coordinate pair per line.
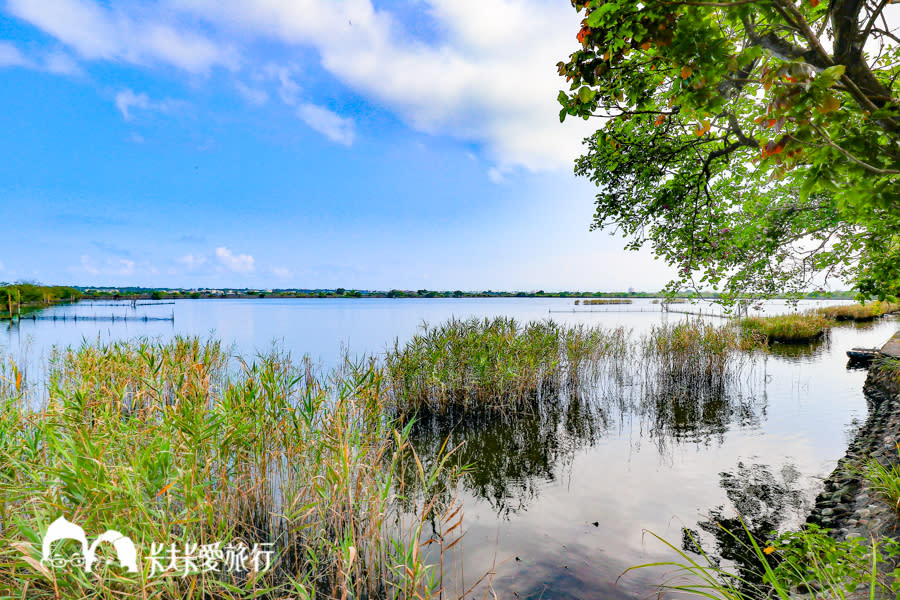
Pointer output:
x,y
858,312
691,353
792,328
165,443
495,364
607,301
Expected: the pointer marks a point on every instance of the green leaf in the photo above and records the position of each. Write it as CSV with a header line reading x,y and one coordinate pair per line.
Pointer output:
x,y
586,94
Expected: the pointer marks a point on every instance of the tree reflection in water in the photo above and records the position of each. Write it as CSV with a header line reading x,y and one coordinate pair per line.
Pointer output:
x,y
766,503
511,456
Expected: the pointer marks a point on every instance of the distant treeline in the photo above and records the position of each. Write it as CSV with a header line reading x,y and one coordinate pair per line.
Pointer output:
x,y
19,298
130,293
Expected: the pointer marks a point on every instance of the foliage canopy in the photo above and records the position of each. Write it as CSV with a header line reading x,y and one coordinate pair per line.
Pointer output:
x,y
754,144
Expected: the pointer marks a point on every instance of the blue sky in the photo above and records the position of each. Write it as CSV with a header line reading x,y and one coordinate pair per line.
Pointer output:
x,y
296,143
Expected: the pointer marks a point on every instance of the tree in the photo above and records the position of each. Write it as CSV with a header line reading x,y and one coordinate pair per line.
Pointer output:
x,y
754,144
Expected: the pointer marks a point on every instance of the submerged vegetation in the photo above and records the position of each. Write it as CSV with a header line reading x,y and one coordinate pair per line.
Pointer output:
x,y
163,442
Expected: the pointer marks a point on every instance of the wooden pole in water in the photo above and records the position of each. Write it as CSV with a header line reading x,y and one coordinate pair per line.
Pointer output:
x,y
18,302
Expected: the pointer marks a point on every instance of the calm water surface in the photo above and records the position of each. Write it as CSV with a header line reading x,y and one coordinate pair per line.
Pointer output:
x,y
558,502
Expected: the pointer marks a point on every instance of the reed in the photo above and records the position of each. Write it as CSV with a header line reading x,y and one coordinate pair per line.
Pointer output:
x,y
858,312
792,328
166,443
495,364
606,301
690,358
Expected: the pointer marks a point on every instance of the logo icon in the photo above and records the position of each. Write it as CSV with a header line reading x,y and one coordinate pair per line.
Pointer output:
x,y
61,529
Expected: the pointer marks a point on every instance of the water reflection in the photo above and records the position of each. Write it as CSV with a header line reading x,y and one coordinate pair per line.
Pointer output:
x,y
801,352
761,502
511,457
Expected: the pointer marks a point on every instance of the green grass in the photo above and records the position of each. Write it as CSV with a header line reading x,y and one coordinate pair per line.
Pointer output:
x,y
792,328
787,567
885,480
165,443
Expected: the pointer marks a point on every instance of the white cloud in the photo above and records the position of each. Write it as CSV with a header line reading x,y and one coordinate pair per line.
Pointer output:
x,y
333,126
61,64
480,82
88,266
496,175
114,267
254,96
288,89
489,78
101,33
125,267
242,263
2,268
191,261
10,56
58,63
127,99
281,272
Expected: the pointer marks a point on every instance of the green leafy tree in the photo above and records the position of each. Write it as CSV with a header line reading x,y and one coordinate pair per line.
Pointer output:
x,y
753,144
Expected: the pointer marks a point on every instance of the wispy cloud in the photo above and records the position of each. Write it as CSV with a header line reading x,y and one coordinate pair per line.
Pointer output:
x,y
112,266
10,56
240,263
58,63
333,126
254,96
127,100
100,33
492,89
111,248
191,261
497,175
281,272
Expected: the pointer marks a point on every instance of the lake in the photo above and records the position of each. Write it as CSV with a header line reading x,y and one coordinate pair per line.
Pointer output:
x,y
559,502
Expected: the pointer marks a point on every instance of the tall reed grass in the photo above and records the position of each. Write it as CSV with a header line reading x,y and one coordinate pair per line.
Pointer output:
x,y
494,364
163,443
592,301
791,328
691,356
859,312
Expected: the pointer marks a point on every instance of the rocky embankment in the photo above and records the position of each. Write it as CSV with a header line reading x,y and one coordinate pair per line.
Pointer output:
x,y
847,505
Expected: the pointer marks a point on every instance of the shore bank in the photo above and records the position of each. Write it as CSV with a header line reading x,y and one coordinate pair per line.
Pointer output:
x,y
848,505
